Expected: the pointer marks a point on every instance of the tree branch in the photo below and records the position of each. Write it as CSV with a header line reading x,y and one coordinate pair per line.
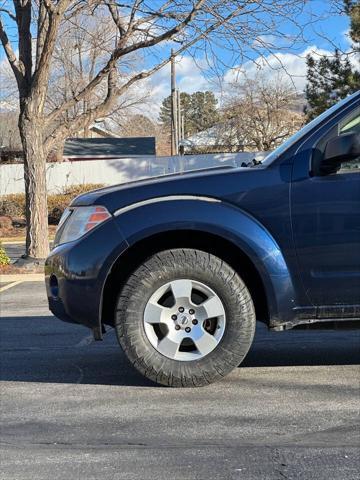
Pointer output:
x,y
117,20
16,65
63,130
48,5
114,92
43,63
120,52
42,27
8,12
23,20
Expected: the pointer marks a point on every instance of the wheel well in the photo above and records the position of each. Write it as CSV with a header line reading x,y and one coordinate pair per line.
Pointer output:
x,y
222,248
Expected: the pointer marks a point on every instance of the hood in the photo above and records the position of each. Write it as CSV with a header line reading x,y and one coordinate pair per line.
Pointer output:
x,y
213,182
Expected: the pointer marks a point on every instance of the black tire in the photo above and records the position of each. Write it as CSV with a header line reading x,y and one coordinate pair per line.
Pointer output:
x,y
203,267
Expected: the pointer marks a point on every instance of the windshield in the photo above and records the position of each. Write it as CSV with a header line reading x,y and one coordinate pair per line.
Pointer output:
x,y
294,138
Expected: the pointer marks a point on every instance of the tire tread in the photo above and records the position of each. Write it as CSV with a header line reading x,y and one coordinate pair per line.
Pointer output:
x,y
130,332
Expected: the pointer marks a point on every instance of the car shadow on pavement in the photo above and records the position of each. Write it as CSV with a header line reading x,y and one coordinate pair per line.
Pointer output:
x,y
43,349
303,347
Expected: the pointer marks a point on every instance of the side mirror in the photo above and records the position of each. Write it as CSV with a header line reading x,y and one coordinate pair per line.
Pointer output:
x,y
338,150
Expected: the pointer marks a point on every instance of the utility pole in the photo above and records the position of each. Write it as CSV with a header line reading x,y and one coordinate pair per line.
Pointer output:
x,y
179,117
174,113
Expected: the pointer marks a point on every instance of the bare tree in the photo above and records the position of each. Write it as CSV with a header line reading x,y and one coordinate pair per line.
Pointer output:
x,y
261,112
84,44
140,27
9,132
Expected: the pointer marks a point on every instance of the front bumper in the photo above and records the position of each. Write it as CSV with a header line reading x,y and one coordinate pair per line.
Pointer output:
x,y
76,272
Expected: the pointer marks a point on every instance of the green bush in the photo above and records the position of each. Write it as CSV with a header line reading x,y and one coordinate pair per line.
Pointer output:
x,y
14,205
4,259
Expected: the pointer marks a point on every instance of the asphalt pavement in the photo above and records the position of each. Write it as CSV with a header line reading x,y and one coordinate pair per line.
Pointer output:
x,y
72,408
14,250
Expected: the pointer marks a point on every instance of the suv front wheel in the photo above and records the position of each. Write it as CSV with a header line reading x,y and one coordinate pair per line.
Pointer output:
x,y
185,318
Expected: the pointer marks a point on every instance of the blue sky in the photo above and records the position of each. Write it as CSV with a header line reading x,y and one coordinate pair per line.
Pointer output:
x,y
318,38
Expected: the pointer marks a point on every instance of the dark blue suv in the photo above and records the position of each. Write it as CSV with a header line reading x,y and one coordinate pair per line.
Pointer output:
x,y
183,265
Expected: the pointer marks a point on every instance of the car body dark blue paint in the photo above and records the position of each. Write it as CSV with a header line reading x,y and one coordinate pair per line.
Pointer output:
x,y
298,233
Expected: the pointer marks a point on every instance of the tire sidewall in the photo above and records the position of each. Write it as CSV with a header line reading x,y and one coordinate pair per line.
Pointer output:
x,y
209,270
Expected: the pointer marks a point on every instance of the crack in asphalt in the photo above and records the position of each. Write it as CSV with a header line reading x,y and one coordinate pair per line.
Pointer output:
x,y
279,464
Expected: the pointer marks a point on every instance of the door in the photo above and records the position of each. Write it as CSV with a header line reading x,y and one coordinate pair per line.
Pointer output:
x,y
326,225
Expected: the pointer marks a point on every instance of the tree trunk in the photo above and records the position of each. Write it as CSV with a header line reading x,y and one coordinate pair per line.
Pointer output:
x,y
31,132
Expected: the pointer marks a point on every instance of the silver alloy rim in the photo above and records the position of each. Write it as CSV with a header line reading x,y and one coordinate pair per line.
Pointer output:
x,y
184,320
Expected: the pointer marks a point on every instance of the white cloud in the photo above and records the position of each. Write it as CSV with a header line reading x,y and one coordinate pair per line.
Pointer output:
x,y
271,41
190,76
292,66
8,91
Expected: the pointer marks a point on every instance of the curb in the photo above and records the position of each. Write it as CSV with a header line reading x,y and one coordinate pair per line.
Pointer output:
x,y
12,239
22,277
17,241
13,242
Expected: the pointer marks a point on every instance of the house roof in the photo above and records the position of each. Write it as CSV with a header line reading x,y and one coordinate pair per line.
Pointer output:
x,y
106,127
107,147
220,134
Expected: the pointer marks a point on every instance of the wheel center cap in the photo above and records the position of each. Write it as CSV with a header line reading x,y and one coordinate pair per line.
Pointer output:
x,y
184,319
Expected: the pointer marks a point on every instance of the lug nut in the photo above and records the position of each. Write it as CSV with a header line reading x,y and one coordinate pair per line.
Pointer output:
x,y
177,327
173,317
181,309
194,322
191,311
187,329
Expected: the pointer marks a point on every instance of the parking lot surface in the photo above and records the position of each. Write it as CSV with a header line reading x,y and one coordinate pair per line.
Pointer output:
x,y
75,409
14,250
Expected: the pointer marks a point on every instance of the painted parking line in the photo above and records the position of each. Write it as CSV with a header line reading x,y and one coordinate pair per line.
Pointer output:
x,y
9,285
12,242
22,277
17,241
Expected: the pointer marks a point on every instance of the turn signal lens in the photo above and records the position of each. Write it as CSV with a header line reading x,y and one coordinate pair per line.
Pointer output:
x,y
80,221
100,215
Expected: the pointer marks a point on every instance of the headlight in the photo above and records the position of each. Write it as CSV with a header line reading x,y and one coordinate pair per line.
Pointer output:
x,y
77,221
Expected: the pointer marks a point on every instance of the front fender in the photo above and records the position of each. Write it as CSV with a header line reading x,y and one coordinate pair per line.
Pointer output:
x,y
179,213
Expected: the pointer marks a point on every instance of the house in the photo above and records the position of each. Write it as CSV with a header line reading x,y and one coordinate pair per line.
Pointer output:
x,y
245,133
220,138
104,127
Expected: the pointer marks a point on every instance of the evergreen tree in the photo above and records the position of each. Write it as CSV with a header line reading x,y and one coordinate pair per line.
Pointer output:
x,y
199,110
332,78
352,8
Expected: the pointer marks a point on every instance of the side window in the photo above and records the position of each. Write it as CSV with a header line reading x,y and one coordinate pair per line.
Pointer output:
x,y
350,125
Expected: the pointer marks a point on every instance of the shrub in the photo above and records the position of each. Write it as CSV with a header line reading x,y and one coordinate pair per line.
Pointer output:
x,y
4,259
56,205
75,190
5,222
58,202
14,205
